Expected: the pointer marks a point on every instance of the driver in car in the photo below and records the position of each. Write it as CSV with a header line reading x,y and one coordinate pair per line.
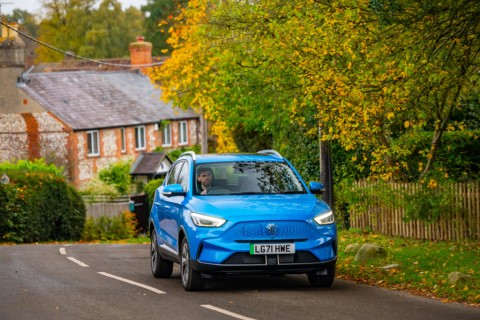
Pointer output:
x,y
205,177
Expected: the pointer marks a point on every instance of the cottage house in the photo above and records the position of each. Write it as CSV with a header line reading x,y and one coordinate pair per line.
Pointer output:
x,y
85,120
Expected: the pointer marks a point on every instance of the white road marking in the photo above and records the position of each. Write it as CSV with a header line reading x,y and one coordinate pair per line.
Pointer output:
x,y
132,282
80,263
228,313
63,251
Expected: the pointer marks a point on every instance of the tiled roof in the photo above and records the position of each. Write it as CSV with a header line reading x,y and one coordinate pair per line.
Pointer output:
x,y
148,163
100,99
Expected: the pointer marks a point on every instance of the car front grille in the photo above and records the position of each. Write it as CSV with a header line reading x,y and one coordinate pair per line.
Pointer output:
x,y
284,230
245,258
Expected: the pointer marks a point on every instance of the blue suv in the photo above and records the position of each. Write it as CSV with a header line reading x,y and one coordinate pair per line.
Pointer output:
x,y
230,214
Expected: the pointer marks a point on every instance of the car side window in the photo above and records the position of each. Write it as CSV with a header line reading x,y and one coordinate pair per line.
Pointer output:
x,y
174,173
183,176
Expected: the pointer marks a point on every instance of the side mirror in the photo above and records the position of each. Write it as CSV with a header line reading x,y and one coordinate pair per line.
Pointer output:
x,y
317,187
173,190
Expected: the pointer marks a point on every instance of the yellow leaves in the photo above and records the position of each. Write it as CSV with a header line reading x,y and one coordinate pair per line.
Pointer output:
x,y
225,142
390,115
432,184
420,166
406,124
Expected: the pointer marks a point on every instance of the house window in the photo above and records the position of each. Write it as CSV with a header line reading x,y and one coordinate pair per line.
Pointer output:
x,y
123,140
167,135
140,138
92,143
182,132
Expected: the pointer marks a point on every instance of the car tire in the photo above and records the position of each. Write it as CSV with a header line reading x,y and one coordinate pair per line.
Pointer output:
x,y
191,279
323,281
161,268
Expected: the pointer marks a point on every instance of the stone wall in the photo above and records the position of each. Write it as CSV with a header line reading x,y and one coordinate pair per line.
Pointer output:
x,y
40,135
46,140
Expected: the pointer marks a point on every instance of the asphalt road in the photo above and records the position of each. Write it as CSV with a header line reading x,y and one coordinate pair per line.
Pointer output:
x,y
79,281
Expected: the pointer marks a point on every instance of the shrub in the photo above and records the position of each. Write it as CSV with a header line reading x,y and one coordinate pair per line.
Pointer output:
x,y
175,153
118,175
150,188
12,215
110,228
95,187
39,205
37,165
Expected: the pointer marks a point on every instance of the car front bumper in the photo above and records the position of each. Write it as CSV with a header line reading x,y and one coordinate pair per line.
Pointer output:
x,y
271,266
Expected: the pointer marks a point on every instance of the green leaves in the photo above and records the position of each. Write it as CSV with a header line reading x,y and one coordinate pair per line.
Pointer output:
x,y
77,27
368,72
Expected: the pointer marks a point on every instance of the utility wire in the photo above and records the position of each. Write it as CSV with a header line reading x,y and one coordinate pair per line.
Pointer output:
x,y
78,57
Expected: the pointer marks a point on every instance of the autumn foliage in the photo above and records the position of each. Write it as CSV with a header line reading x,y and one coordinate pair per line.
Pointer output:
x,y
366,72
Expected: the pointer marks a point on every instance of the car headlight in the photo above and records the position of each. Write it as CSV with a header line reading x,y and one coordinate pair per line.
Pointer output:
x,y
325,218
202,220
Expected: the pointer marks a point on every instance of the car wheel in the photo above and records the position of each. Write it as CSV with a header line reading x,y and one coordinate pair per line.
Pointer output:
x,y
161,268
191,280
322,280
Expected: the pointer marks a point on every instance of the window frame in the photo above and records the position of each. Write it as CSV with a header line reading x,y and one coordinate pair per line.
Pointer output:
x,y
164,136
123,140
140,138
183,132
93,142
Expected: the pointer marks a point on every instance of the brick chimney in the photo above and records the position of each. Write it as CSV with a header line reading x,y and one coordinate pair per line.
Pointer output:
x,y
140,54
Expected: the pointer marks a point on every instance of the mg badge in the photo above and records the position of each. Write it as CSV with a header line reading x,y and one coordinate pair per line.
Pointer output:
x,y
272,230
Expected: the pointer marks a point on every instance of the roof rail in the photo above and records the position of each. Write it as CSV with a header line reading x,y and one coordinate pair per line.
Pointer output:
x,y
190,153
270,152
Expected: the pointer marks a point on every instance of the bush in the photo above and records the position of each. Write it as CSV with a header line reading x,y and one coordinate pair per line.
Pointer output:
x,y
107,228
150,188
37,165
95,187
175,153
118,175
13,217
39,205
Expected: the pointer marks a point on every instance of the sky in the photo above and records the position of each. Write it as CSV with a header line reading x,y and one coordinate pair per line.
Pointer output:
x,y
34,6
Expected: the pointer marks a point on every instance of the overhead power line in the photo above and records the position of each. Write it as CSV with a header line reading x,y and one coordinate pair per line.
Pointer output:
x,y
78,57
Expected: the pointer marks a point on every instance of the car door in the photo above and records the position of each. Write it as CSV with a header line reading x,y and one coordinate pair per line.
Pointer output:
x,y
173,206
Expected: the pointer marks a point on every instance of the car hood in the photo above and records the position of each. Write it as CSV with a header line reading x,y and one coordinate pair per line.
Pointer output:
x,y
260,207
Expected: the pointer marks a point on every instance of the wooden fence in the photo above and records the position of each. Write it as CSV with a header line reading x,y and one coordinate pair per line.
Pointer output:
x,y
104,206
463,222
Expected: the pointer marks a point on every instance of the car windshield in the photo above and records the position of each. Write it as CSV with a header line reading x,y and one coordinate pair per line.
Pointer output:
x,y
246,177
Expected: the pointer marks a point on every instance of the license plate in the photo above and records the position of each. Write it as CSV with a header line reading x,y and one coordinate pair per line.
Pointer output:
x,y
272,248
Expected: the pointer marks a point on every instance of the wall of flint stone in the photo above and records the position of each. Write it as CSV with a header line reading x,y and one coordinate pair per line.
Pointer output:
x,y
68,149
14,141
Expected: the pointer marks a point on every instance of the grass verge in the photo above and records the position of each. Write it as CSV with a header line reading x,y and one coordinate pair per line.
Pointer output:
x,y
423,266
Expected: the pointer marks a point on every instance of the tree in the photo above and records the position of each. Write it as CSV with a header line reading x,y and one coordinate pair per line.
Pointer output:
x,y
76,26
27,24
64,27
159,19
368,72
111,31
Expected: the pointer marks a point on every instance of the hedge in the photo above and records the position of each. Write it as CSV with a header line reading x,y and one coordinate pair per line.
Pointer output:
x,y
39,206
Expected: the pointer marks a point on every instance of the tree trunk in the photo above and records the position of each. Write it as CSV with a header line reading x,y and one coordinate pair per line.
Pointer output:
x,y
326,170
